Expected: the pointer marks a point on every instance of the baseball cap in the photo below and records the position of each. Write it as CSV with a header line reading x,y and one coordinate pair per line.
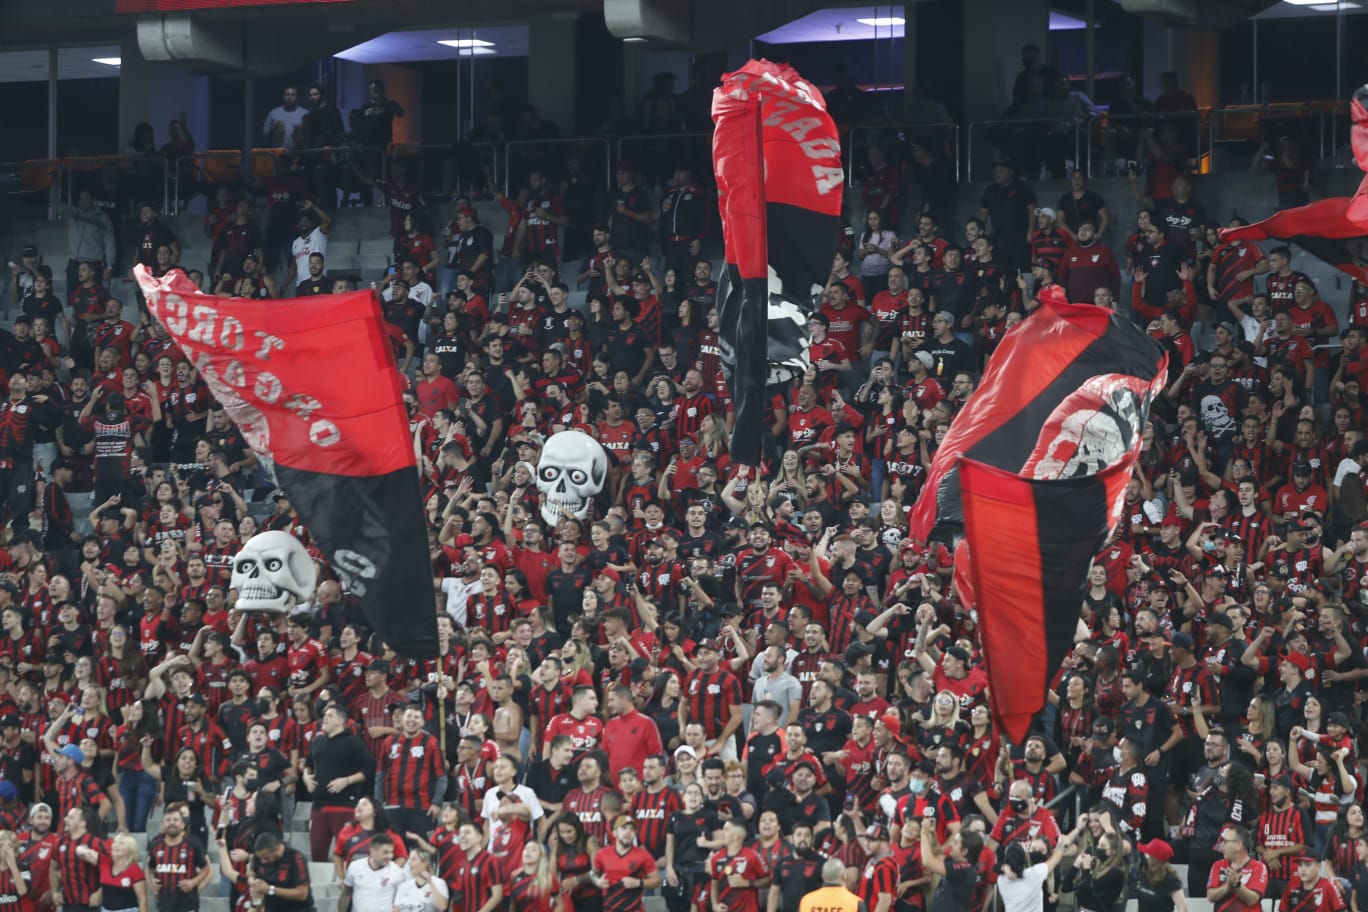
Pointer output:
x,y
1181,640
709,644
8,791
279,494
1303,662
380,665
1338,718
685,749
1301,467
197,698
10,721
1157,849
926,359
1046,211
623,820
1220,619
1283,781
875,831
72,752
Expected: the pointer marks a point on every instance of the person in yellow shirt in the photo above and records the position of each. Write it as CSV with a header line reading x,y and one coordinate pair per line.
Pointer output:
x,y
833,895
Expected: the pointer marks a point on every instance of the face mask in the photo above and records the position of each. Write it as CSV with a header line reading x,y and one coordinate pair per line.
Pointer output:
x,y
916,786
1116,753
1208,546
1018,805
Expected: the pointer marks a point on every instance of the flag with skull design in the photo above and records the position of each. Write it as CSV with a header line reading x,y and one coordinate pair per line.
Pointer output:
x,y
1040,458
314,389
777,158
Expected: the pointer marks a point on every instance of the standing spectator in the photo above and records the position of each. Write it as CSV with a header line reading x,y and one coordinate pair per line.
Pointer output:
x,y
74,880
624,870
1089,265
336,770
737,873
630,215
474,876
683,220
1008,207
873,249
279,876
282,124
371,882
1081,204
177,863
414,774
1238,881
91,238
422,890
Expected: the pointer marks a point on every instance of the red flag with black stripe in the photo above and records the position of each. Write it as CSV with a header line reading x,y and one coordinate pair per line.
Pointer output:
x,y
1334,230
1033,471
312,385
777,159
1029,600
1066,393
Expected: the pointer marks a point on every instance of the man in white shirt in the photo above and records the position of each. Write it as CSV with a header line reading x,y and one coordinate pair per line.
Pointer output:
x,y
371,882
508,801
283,121
459,589
314,225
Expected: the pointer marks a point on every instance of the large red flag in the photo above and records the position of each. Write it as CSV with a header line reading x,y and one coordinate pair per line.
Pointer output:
x,y
312,384
1034,472
777,159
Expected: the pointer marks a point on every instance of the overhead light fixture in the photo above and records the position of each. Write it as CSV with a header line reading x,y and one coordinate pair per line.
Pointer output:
x,y
108,61
476,52
467,43
1332,7
883,21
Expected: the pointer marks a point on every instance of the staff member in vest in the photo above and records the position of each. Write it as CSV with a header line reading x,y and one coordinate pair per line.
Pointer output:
x,y
833,895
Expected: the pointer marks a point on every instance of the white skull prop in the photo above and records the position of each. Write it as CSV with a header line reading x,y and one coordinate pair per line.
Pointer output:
x,y
570,473
273,572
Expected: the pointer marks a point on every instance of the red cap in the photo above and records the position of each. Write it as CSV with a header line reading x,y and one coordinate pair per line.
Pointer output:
x,y
611,574
1303,662
892,723
1157,849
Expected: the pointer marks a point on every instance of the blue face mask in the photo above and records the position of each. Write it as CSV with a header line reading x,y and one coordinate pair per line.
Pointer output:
x,y
916,786
1208,546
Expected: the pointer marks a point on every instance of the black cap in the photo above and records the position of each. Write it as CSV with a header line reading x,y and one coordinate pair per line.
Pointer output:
x,y
10,721
1338,718
29,250
197,698
380,665
1301,467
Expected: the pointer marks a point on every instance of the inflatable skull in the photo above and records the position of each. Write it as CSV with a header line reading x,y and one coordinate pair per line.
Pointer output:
x,y
570,473
273,572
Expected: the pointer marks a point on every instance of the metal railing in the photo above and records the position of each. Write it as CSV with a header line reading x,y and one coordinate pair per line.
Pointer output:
x,y
648,150
907,134
524,163
1108,123
446,166
1249,124
75,165
216,166
1043,128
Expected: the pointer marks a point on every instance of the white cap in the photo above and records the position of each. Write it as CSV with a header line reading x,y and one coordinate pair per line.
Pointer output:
x,y
1046,210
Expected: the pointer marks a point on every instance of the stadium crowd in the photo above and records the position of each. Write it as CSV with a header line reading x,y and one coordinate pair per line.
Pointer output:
x,y
719,681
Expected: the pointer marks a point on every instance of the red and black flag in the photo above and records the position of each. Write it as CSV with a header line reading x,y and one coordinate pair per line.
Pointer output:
x,y
1040,458
1059,400
777,158
1334,230
313,387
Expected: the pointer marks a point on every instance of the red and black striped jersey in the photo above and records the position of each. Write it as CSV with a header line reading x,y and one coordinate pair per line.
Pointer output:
x,y
879,878
588,807
525,896
709,697
172,865
652,811
746,863
411,767
79,879
77,791
471,879
1280,830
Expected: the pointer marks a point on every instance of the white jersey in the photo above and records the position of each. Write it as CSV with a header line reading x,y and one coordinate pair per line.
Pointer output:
x,y
303,248
373,890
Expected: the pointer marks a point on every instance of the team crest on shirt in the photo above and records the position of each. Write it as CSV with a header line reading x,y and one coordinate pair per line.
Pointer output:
x,y
416,752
